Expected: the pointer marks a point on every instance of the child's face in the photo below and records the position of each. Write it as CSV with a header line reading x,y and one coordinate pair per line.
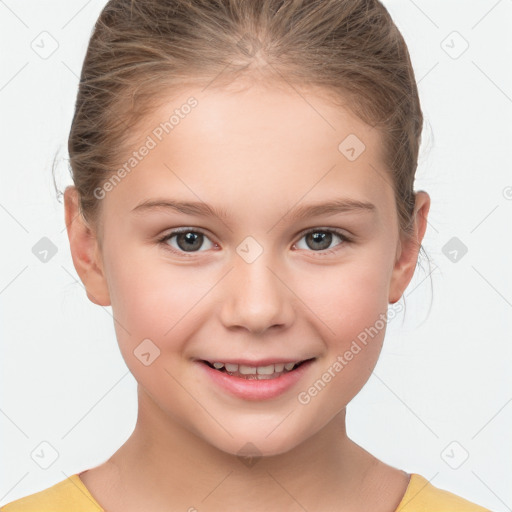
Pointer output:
x,y
254,286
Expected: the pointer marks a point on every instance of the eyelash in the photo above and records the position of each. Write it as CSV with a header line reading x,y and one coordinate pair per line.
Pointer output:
x,y
345,239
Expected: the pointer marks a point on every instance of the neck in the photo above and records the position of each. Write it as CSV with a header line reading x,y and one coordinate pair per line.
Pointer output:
x,y
163,466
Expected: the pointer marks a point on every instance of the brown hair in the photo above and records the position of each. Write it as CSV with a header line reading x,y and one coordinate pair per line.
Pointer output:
x,y
142,49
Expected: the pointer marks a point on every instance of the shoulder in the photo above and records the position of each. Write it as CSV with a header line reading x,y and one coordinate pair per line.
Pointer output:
x,y
422,496
64,496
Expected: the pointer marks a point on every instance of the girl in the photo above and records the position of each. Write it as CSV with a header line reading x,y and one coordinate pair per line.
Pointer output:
x,y
243,199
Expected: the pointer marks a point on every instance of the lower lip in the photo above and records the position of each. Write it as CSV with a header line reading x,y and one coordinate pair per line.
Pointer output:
x,y
254,389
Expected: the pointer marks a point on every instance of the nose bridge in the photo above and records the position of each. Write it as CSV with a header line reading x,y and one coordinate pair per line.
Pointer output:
x,y
256,298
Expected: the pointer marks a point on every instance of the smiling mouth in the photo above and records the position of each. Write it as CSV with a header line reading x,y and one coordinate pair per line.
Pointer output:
x,y
271,371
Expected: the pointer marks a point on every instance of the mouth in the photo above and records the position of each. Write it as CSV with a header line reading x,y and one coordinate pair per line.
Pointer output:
x,y
262,372
261,380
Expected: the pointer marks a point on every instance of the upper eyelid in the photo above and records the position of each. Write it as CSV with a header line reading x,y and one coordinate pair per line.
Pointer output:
x,y
175,231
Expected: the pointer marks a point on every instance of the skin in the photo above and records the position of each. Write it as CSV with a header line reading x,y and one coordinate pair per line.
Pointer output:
x,y
258,152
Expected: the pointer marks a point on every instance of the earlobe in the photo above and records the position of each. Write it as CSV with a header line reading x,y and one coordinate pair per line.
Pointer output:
x,y
85,250
409,248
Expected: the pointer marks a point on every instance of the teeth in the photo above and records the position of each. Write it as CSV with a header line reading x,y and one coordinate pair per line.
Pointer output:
x,y
255,370
247,370
266,370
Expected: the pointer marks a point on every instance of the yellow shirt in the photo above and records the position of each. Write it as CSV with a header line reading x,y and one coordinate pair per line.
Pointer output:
x,y
71,495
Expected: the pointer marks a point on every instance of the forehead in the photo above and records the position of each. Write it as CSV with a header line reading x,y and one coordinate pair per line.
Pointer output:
x,y
251,146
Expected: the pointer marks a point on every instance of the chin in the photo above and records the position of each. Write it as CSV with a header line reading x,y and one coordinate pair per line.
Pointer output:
x,y
249,445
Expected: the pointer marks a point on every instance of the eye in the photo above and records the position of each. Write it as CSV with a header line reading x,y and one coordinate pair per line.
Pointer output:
x,y
320,239
187,240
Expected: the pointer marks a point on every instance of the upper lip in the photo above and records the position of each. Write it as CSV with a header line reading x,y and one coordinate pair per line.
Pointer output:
x,y
259,362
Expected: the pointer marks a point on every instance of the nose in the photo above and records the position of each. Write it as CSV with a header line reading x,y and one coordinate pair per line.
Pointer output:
x,y
256,298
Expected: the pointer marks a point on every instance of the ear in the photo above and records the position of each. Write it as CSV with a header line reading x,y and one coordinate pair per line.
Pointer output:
x,y
85,250
408,249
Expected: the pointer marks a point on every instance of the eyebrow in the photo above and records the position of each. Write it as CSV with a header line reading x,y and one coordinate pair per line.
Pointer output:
x,y
202,209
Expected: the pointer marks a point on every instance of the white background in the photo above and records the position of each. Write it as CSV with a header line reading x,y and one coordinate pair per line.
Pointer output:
x,y
443,379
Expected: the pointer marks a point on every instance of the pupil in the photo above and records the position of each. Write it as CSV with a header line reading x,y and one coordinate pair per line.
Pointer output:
x,y
192,240
321,237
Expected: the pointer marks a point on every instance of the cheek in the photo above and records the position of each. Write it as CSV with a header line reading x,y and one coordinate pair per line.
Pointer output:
x,y
348,305
154,299
346,298
350,311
